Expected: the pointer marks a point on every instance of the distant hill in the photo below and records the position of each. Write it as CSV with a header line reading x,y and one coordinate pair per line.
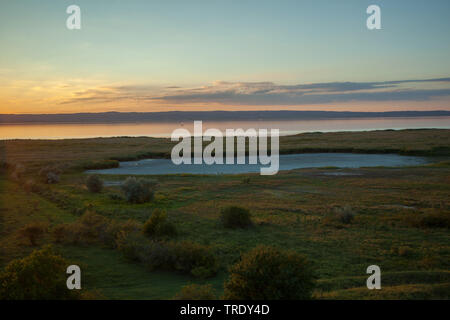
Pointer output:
x,y
185,116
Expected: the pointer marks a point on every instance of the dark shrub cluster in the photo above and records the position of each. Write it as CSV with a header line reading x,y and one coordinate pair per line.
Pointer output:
x,y
267,273
158,226
235,217
196,292
339,216
138,190
94,184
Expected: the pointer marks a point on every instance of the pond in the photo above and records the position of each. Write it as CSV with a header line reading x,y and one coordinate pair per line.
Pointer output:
x,y
287,162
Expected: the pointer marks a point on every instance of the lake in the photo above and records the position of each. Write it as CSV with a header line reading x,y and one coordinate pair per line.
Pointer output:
x,y
158,129
287,162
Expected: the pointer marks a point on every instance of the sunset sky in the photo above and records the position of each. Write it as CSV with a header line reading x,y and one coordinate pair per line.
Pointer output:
x,y
224,55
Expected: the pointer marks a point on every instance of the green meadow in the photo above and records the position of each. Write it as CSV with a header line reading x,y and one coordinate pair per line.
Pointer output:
x,y
400,216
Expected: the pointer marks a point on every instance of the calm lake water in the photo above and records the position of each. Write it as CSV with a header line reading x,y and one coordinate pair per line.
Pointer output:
x,y
287,162
286,127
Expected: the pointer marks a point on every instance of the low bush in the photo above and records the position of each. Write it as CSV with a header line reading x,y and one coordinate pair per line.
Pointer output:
x,y
235,217
339,216
196,292
138,190
90,228
94,184
195,259
33,232
71,233
115,228
40,276
133,245
267,273
31,186
438,219
158,226
95,224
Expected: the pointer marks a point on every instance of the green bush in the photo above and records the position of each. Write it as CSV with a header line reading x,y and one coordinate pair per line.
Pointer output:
x,y
33,231
41,275
133,245
115,228
94,184
72,233
266,273
158,226
138,190
196,292
235,217
193,258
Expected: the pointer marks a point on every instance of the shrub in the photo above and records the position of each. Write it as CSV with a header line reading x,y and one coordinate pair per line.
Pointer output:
x,y
246,180
132,245
31,186
339,216
73,233
95,224
115,228
94,184
266,273
41,275
439,219
344,214
138,190
33,231
158,226
196,292
235,217
195,259
115,196
49,175
158,255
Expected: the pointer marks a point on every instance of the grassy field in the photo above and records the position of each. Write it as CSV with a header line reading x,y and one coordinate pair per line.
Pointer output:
x,y
290,210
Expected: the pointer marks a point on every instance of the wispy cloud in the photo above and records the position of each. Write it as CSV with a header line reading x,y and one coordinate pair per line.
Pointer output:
x,y
269,93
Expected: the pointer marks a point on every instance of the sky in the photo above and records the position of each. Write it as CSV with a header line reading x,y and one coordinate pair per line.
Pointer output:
x,y
223,55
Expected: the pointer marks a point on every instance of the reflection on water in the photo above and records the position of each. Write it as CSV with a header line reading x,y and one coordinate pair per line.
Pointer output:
x,y
64,131
287,162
